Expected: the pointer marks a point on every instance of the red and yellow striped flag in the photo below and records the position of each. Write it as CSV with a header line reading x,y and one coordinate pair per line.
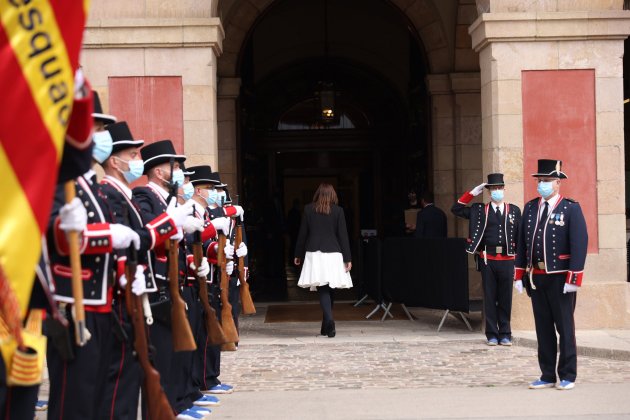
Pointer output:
x,y
40,42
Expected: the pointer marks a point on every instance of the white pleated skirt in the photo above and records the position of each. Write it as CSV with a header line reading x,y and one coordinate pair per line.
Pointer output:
x,y
324,268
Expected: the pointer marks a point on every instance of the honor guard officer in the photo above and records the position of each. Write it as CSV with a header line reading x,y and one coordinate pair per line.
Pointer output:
x,y
552,251
77,385
493,231
151,199
123,167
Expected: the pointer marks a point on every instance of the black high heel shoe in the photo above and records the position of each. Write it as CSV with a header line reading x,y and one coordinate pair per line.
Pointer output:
x,y
331,329
322,331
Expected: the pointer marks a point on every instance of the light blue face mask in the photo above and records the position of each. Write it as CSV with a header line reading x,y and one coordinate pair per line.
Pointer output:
x,y
545,189
221,198
136,168
178,177
496,195
102,146
189,190
212,198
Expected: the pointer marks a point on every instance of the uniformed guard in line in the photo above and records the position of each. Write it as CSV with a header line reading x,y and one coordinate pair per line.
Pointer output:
x,y
493,231
124,166
550,260
76,385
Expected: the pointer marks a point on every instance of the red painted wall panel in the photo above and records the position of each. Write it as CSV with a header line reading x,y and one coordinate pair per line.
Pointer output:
x,y
152,106
559,123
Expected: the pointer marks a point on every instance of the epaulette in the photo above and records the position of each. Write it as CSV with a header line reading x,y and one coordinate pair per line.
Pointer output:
x,y
570,200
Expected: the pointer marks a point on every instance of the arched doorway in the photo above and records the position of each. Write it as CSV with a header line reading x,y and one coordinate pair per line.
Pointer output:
x,y
297,59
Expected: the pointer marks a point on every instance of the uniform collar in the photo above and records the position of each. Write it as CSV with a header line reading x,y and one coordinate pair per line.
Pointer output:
x,y
122,187
552,201
500,206
90,175
159,189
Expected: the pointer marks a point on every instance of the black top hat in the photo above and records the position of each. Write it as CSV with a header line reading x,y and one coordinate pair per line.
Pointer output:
x,y
495,180
216,180
121,137
98,111
550,168
159,152
187,172
202,175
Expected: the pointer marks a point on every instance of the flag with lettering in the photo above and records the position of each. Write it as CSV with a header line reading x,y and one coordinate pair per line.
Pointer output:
x,y
40,42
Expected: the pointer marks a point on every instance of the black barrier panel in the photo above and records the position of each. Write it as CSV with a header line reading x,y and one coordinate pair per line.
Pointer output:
x,y
371,268
429,273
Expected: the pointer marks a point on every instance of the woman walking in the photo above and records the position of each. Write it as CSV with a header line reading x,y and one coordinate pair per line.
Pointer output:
x,y
323,245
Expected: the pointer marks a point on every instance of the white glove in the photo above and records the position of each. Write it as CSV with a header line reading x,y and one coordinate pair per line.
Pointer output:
x,y
229,250
193,224
518,285
122,281
139,285
79,84
241,251
178,236
229,268
478,189
123,236
570,288
222,224
204,268
73,216
179,214
239,211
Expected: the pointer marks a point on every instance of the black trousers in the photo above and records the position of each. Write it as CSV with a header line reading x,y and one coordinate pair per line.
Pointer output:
x,y
122,391
553,311
326,301
16,402
212,354
77,386
161,338
189,391
234,296
497,278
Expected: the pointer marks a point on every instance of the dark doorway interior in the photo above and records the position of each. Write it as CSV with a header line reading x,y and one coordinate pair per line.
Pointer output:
x,y
324,98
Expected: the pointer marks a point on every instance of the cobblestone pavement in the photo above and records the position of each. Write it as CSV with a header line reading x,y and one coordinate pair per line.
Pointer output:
x,y
392,365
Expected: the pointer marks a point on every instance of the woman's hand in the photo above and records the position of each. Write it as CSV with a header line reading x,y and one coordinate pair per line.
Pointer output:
x,y
297,261
348,266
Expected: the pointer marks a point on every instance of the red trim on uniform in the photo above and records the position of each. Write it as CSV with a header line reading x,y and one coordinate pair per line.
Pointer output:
x,y
65,271
155,225
496,257
211,254
574,278
518,273
465,198
229,211
208,233
104,308
564,256
93,233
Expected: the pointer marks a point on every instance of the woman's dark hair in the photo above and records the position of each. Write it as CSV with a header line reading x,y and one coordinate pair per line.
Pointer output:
x,y
324,198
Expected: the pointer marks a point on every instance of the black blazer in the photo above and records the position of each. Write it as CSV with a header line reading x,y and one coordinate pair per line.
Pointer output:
x,y
323,232
430,223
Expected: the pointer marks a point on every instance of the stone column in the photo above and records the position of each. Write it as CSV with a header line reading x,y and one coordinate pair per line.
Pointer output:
x,y
228,92
555,36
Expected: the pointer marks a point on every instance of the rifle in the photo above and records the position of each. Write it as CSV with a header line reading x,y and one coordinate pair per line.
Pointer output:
x,y
82,335
247,304
215,333
227,321
183,339
157,403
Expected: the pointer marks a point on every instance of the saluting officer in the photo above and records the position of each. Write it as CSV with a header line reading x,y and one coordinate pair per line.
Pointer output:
x,y
552,250
493,231
123,167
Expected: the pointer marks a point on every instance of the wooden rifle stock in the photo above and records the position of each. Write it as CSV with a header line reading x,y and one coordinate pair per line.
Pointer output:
x,y
227,321
247,304
80,329
216,336
183,339
157,403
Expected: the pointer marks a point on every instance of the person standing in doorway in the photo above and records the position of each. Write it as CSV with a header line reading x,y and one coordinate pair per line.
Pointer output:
x,y
324,247
431,220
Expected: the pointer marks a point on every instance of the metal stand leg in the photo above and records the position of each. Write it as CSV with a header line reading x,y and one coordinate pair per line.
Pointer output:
x,y
446,312
465,321
378,306
407,312
386,309
360,301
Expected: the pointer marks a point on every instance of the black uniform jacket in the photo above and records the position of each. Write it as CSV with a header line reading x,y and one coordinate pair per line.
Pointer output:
x,y
477,213
564,241
95,247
